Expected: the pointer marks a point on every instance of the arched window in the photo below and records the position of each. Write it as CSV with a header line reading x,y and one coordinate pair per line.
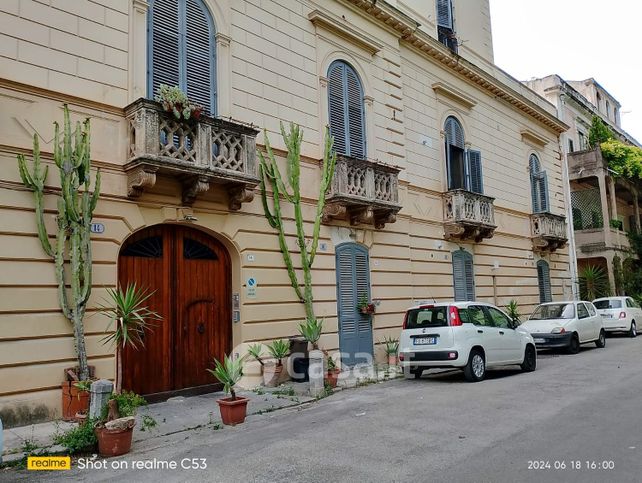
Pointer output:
x,y
463,276
463,165
346,111
182,50
544,282
539,186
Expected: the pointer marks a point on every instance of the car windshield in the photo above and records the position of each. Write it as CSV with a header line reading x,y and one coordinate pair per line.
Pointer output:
x,y
427,317
608,304
553,311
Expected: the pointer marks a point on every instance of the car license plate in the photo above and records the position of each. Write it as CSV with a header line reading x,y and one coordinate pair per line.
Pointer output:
x,y
424,340
539,341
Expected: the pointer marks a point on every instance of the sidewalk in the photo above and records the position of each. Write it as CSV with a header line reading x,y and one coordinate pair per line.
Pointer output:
x,y
179,414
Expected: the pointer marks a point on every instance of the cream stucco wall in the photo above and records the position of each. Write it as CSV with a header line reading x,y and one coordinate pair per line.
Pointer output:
x,y
272,62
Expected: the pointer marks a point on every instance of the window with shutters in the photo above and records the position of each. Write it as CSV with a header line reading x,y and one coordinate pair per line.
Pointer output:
x,y
182,50
463,276
539,186
463,166
544,282
446,24
346,110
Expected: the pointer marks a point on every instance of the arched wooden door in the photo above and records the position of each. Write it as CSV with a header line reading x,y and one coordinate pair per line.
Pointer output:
x,y
189,273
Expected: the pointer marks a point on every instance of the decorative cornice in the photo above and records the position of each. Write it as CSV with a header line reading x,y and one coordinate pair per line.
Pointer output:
x,y
456,95
531,137
408,31
339,26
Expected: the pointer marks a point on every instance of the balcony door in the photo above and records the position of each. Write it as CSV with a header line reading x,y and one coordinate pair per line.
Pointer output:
x,y
353,284
189,274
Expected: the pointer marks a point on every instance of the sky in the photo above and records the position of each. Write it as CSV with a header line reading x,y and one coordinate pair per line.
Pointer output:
x,y
575,39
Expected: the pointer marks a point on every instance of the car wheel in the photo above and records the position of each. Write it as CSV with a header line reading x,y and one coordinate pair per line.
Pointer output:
x,y
601,340
574,345
530,359
475,370
633,330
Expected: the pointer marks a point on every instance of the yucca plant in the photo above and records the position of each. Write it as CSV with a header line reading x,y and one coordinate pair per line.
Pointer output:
x,y
279,349
229,373
131,318
392,345
311,331
594,283
256,350
512,309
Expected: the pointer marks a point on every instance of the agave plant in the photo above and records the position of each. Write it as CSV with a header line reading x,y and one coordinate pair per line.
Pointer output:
x,y
131,319
392,345
279,349
229,373
256,350
311,331
594,283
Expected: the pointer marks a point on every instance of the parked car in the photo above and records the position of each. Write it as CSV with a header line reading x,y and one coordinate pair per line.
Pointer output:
x,y
566,325
472,336
619,314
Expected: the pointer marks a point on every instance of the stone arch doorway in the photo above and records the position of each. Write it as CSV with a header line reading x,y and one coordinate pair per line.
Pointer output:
x,y
190,274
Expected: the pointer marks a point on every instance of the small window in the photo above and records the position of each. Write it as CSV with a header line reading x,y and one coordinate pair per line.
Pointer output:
x,y
539,186
498,318
582,137
193,250
571,147
463,166
150,247
582,312
446,24
427,317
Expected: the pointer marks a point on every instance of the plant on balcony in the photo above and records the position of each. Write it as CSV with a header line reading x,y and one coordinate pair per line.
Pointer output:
x,y
76,204
270,174
594,283
599,132
616,224
176,102
622,158
364,306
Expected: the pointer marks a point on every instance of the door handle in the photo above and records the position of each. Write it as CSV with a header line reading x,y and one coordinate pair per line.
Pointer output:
x,y
480,331
201,328
501,332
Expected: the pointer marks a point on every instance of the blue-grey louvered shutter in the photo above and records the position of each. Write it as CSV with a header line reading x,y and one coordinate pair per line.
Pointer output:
x,y
336,111
444,14
544,282
356,126
463,276
164,58
362,278
475,176
199,55
543,192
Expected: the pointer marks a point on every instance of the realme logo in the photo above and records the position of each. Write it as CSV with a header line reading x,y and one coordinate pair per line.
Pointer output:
x,y
49,463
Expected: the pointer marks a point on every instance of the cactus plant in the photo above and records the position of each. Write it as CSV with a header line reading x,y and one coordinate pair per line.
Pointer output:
x,y
270,173
76,206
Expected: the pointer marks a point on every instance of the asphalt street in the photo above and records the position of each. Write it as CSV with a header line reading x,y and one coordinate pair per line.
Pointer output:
x,y
577,418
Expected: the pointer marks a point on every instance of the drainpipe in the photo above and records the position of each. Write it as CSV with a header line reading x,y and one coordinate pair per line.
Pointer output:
x,y
570,232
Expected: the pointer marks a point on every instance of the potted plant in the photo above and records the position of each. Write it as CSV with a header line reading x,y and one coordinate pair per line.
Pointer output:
x,y
75,396
131,318
229,373
392,347
83,399
176,102
332,371
278,349
256,351
512,309
311,331
364,306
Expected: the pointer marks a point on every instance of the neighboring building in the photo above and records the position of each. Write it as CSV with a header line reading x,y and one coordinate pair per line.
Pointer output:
x,y
449,184
604,206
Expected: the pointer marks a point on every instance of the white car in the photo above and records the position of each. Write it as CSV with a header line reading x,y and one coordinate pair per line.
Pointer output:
x,y
566,324
619,314
472,336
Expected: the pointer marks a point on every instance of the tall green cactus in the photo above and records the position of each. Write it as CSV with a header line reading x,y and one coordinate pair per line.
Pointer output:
x,y
75,210
270,173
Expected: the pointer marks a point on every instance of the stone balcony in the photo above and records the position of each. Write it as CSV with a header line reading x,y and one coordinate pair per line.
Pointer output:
x,y
548,231
363,191
468,215
199,154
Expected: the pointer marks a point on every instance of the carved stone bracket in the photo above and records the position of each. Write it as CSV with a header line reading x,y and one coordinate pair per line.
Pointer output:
x,y
333,210
363,215
140,179
194,186
462,231
541,244
386,217
238,195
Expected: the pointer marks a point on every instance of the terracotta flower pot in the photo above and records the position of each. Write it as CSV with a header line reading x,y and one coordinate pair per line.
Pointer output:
x,y
392,359
114,442
332,377
233,411
73,401
271,374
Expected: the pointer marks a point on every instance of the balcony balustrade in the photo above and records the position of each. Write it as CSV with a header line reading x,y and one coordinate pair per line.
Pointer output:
x,y
468,215
548,231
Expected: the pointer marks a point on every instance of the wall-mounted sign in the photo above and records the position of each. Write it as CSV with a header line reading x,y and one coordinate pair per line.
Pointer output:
x,y
251,288
250,257
97,228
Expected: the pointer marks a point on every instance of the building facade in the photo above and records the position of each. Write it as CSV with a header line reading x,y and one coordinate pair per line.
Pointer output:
x,y
603,206
448,185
